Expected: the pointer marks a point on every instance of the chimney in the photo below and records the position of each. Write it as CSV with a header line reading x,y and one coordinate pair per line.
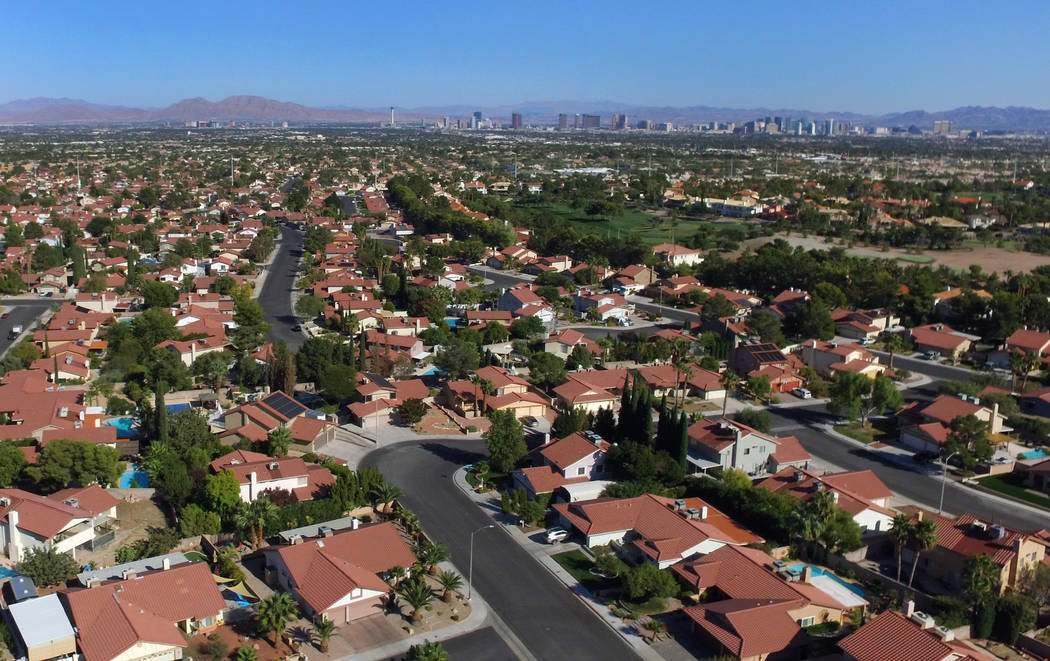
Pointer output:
x,y
909,608
703,511
253,484
166,563
807,573
355,523
14,536
128,574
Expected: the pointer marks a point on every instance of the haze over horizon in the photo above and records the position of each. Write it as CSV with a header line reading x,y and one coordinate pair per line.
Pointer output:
x,y
819,56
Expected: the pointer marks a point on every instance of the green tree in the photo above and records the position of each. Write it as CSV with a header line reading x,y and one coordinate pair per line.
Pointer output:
x,y
526,328
505,440
884,395
923,538
570,422
12,463
1014,614
275,612
647,580
279,441
449,581
63,463
717,307
246,653
894,344
323,630
849,392
810,319
47,567
969,438
546,370
902,534
33,230
412,411
759,386
767,325
195,521
981,588
417,594
310,307
338,382
254,517
157,294
222,493
458,359
759,419
428,650
495,332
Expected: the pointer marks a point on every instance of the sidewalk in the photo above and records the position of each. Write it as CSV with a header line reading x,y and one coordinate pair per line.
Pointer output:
x,y
541,553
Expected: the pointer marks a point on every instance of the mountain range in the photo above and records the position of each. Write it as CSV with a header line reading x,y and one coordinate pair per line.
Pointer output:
x,y
42,110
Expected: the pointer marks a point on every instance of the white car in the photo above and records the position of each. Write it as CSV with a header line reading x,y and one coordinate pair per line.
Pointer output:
x,y
801,393
556,535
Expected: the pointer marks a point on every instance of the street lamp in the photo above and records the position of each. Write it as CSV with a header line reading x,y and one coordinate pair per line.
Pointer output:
x,y
944,478
470,566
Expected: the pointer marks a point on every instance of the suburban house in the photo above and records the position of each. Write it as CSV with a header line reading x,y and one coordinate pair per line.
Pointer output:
x,y
764,359
485,317
829,358
603,307
563,342
42,629
1032,342
1037,476
255,420
754,606
652,528
908,636
942,339
342,575
705,384
378,397
722,444
522,301
508,392
677,255
65,521
258,473
579,457
925,427
139,617
861,493
863,324
1014,551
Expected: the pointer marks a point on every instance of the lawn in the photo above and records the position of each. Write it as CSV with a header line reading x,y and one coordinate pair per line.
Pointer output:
x,y
633,220
579,565
877,431
1010,485
493,479
916,259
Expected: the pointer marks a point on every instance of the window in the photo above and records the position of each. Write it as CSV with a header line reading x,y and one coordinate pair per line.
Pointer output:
x,y
806,622
581,471
747,450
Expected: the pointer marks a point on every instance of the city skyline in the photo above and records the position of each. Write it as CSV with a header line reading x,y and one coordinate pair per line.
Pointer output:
x,y
826,58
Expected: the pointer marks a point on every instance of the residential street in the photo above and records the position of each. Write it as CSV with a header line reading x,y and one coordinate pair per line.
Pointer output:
x,y
22,312
276,295
549,620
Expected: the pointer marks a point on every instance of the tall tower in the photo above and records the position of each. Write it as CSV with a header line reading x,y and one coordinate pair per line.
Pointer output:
x,y
392,117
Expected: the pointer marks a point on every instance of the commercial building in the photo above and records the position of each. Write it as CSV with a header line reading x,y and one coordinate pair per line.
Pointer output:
x,y
591,121
942,127
515,120
619,121
563,121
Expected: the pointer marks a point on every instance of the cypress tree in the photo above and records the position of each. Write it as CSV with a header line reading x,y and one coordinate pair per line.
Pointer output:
x,y
623,422
683,441
644,414
362,355
662,424
161,413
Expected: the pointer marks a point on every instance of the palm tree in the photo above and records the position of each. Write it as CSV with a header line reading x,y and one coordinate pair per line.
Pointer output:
x,y
323,629
246,653
280,440
416,594
430,554
487,388
449,581
923,538
428,650
901,531
475,379
729,380
894,344
254,517
685,372
275,612
383,494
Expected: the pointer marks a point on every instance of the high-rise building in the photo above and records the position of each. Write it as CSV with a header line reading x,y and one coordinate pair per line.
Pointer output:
x,y
576,121
591,121
515,120
563,121
478,116
779,121
644,124
942,127
619,121
829,127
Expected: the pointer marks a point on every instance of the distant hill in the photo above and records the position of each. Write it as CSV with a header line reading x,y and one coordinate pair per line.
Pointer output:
x,y
42,110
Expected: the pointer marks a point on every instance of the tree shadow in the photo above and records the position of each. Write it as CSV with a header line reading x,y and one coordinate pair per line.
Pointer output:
x,y
459,456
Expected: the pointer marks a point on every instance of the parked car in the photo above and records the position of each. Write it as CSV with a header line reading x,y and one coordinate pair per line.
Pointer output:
x,y
867,342
801,393
297,328
931,355
556,535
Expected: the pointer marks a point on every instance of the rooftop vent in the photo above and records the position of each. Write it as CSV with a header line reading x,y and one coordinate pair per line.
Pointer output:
x,y
679,504
5,501
924,620
72,502
799,476
996,532
944,633
272,465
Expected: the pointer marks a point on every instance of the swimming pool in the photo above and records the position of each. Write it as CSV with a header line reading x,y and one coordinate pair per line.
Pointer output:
x,y
125,427
431,372
452,322
7,572
1033,454
817,571
134,476
175,408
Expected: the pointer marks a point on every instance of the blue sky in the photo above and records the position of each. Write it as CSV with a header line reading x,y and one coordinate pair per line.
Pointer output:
x,y
859,56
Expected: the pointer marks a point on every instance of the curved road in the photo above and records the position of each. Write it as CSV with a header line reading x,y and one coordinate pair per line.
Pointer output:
x,y
538,609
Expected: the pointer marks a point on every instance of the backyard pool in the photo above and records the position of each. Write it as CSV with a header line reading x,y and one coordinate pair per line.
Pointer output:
x,y
431,372
134,478
7,572
817,571
1033,454
125,427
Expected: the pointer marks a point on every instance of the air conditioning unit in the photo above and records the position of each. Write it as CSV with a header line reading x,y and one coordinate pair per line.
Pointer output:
x,y
944,633
997,532
924,620
679,505
272,465
5,501
72,502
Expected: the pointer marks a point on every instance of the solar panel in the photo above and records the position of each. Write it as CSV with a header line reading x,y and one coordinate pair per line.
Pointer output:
x,y
284,405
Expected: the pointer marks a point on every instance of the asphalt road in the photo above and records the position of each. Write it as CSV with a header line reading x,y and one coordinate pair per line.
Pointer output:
x,y
930,368
22,313
536,607
276,295
481,645
922,488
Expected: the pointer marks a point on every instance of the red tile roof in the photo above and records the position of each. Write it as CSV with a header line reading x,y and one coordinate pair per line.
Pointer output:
x,y
749,627
567,451
892,637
